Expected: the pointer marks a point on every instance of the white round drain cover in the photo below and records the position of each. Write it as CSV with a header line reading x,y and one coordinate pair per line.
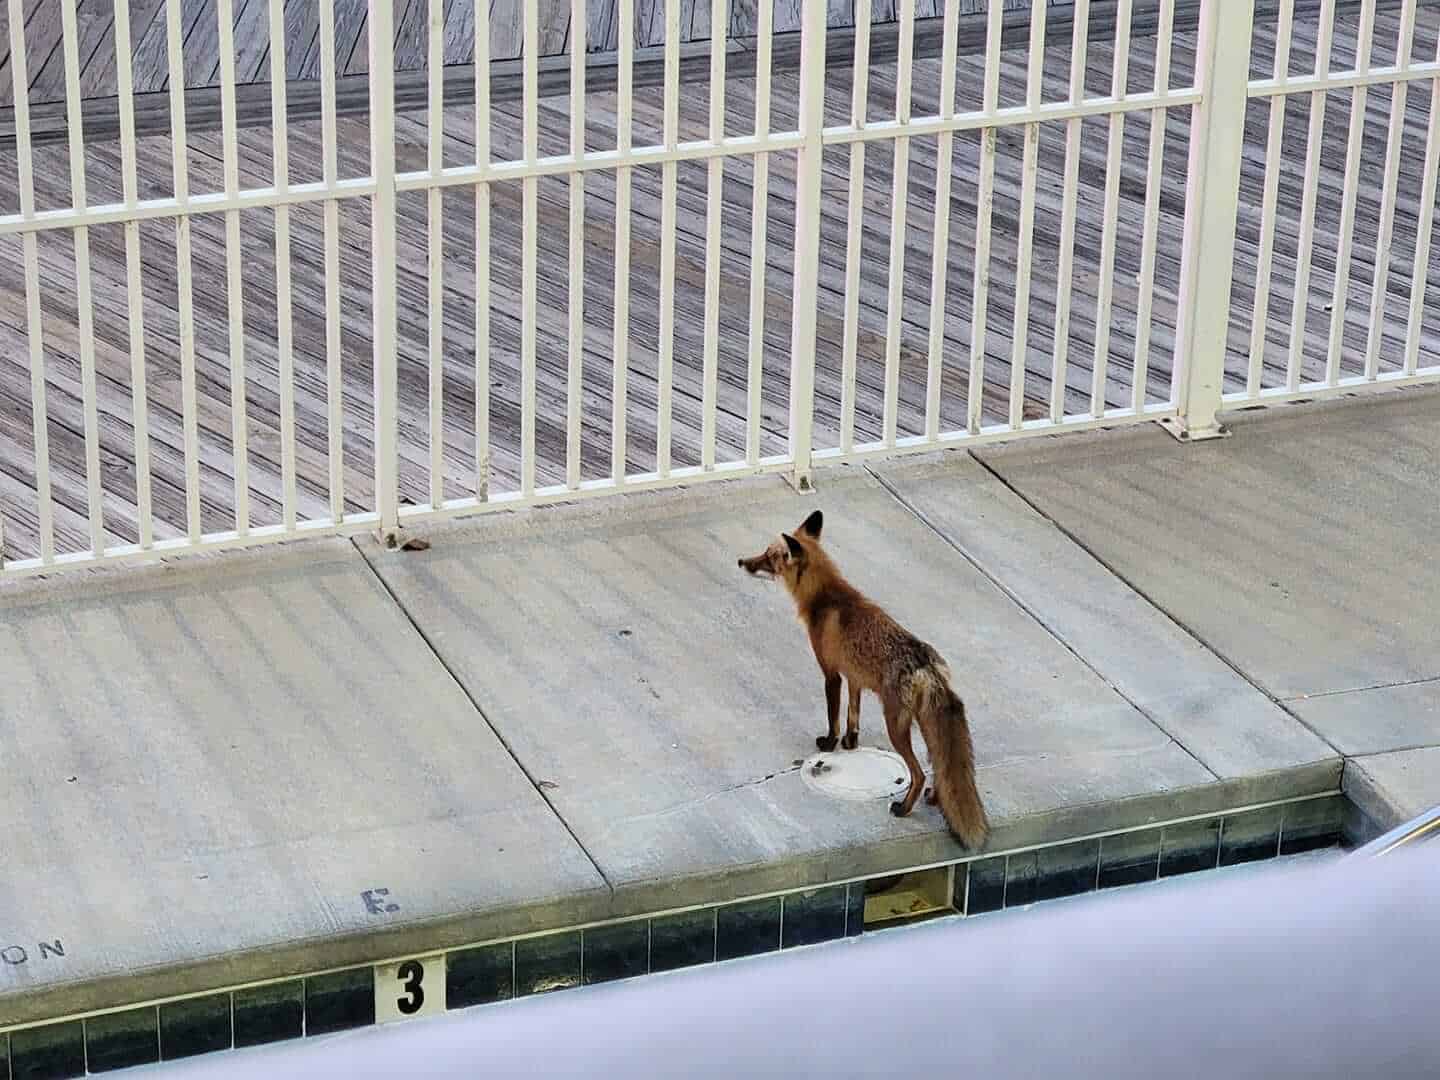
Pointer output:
x,y
857,775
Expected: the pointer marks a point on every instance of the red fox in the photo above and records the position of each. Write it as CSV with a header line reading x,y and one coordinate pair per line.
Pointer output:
x,y
852,637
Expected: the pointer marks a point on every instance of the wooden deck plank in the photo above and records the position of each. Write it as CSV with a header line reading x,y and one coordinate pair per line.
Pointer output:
x,y
66,427
646,18
93,28
459,32
5,76
302,34
412,34
506,30
252,39
202,46
42,40
4,39
555,27
150,70
602,34
787,18
350,38
358,60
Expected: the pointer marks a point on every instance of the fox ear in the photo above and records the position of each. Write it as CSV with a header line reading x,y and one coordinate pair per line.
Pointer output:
x,y
812,525
794,545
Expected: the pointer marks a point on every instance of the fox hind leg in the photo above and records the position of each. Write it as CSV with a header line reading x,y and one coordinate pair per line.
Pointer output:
x,y
852,719
832,706
897,725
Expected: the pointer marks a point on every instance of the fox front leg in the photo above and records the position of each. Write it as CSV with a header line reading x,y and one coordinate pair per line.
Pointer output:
x,y
852,719
832,706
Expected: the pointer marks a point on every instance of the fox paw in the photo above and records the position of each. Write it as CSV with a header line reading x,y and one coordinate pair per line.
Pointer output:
x,y
898,808
851,740
826,742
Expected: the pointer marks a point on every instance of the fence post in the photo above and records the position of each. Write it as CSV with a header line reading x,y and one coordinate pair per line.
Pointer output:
x,y
382,268
807,239
1212,195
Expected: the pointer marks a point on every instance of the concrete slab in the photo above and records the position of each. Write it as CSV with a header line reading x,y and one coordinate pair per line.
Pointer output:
x,y
1378,719
1230,726
1301,549
667,698
1393,788
207,768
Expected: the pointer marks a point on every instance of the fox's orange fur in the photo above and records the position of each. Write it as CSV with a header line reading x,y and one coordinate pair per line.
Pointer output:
x,y
855,640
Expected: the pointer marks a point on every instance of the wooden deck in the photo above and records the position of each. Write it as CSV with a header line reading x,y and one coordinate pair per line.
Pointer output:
x,y
100,114
17,503
201,38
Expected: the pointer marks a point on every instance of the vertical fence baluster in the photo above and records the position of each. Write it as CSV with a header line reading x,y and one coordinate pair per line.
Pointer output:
x,y
671,135
1421,267
1394,146
381,35
1313,150
334,386
899,197
985,203
1069,202
1020,353
134,288
435,244
184,297
1260,317
1110,216
940,244
284,323
482,251
807,240
85,317
755,359
39,415
620,349
714,192
1339,300
855,213
574,375
529,240
1153,172
234,281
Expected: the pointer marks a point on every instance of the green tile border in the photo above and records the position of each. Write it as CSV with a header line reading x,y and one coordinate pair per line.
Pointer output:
x,y
1322,818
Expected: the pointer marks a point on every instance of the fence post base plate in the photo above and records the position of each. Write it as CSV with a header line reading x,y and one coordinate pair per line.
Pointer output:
x,y
1183,432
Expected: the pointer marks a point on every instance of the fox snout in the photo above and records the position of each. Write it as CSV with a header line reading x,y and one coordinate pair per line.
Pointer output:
x,y
756,564
786,555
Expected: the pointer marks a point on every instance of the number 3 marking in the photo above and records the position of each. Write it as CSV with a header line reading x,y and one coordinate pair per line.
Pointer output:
x,y
412,971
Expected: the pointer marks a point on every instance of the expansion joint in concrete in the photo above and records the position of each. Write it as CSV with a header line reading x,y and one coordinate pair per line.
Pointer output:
x,y
1138,591
1020,602
539,785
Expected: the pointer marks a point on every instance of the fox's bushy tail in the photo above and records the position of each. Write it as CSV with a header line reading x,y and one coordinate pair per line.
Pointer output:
x,y
952,758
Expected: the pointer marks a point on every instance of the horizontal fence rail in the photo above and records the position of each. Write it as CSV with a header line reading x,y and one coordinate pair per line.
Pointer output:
x,y
458,289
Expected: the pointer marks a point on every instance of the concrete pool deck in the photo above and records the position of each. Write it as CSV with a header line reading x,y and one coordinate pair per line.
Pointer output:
x,y
250,766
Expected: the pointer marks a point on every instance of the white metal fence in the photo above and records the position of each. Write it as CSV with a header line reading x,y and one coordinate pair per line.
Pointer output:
x,y
1191,376
1368,317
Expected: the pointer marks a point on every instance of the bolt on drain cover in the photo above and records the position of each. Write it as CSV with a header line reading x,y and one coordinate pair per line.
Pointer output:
x,y
856,775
